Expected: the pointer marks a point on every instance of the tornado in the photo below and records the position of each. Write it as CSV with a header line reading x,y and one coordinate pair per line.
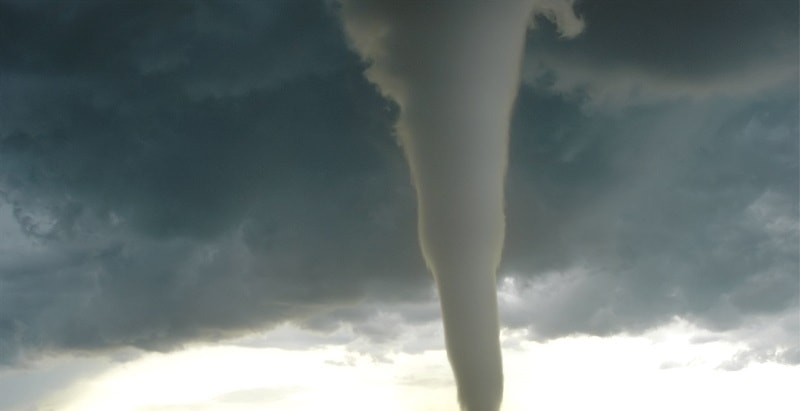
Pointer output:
x,y
453,69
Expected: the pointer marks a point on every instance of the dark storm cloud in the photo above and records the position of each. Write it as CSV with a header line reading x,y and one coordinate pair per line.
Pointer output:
x,y
655,173
188,170
193,170
643,52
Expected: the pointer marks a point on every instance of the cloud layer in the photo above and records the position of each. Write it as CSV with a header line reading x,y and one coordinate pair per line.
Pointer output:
x,y
178,172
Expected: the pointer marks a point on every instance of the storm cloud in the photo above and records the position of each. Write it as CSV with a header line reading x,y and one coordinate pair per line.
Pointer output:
x,y
192,171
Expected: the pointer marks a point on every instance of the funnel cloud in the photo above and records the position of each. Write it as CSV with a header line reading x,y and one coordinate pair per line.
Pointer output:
x,y
453,70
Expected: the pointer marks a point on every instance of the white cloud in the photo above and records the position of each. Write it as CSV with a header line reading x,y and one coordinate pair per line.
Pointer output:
x,y
561,13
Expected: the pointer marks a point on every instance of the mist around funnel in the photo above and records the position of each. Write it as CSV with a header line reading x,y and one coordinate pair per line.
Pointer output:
x,y
453,68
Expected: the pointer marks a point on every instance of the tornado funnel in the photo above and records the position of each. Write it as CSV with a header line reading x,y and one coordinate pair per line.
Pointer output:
x,y
453,69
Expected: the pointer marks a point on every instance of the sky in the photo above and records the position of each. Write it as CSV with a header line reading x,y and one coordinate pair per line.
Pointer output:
x,y
203,205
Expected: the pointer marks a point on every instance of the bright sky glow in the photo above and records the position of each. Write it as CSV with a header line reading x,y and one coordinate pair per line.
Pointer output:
x,y
662,370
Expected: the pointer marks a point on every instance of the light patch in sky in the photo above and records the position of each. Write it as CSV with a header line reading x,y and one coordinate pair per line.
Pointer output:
x,y
226,377
664,369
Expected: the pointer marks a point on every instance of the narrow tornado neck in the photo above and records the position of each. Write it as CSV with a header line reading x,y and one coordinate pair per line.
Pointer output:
x,y
454,71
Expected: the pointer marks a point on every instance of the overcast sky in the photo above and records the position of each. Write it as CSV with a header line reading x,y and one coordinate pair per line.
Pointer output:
x,y
179,172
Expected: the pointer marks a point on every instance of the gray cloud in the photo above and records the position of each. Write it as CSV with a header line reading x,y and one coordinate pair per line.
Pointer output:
x,y
661,177
687,210
27,389
646,53
151,215
171,173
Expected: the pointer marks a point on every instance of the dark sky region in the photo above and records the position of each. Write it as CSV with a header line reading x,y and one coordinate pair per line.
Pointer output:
x,y
174,172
